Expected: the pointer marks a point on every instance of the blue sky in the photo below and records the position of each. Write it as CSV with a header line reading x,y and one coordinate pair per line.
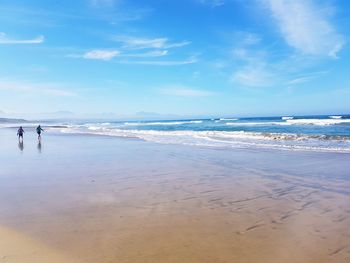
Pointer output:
x,y
185,57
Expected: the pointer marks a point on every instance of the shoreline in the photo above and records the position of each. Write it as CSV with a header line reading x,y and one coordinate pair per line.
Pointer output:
x,y
238,145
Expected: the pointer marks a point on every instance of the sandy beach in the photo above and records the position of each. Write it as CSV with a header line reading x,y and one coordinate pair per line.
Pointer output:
x,y
77,198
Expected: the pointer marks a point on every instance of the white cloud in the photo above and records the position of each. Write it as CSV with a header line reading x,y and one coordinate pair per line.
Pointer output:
x,y
178,44
183,91
306,27
99,54
6,40
253,77
37,88
141,43
144,43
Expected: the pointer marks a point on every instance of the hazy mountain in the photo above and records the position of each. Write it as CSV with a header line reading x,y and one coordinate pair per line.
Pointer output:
x,y
10,120
153,115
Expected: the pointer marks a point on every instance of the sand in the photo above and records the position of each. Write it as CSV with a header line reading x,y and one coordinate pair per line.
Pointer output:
x,y
101,199
17,248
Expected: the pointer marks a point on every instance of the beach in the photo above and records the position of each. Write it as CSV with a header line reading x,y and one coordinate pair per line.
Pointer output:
x,y
90,198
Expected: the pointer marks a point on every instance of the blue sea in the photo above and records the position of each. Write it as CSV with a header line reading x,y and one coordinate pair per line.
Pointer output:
x,y
311,133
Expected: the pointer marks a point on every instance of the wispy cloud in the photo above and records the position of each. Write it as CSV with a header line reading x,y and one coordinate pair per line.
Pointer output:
x,y
253,77
101,54
4,39
212,3
155,53
108,3
299,80
306,26
259,65
117,11
37,88
250,39
190,60
106,55
177,44
254,69
114,12
306,77
148,43
183,91
133,48
97,54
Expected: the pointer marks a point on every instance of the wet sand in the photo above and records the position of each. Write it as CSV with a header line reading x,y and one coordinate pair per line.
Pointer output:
x,y
102,199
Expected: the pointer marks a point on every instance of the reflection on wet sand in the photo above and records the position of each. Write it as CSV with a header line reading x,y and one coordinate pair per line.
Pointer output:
x,y
21,145
39,146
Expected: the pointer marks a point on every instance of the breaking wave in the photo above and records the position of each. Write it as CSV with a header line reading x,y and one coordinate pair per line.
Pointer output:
x,y
316,122
228,138
228,119
320,122
318,133
161,123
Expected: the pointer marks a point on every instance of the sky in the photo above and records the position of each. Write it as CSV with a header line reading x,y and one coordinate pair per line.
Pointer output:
x,y
174,58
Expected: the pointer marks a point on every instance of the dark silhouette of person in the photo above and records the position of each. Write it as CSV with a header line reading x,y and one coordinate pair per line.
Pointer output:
x,y
38,131
20,133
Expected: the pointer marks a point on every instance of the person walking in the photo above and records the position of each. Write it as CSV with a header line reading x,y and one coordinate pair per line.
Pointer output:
x,y
38,131
20,133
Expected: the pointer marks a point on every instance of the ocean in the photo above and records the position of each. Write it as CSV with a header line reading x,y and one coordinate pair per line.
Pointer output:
x,y
309,133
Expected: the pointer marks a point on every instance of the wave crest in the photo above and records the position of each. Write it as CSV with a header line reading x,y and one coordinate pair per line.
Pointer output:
x,y
161,123
229,138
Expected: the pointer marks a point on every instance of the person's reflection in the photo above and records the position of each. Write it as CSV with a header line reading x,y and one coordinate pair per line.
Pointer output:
x,y
21,145
39,147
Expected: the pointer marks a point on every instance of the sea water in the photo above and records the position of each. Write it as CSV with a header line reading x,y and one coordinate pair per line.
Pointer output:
x,y
315,133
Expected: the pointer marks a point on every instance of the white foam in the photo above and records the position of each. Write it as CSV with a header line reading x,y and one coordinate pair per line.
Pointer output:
x,y
94,128
320,122
161,123
257,123
229,138
228,119
197,122
335,117
287,118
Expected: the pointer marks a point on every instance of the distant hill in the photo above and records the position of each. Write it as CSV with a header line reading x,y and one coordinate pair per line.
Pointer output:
x,y
8,120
